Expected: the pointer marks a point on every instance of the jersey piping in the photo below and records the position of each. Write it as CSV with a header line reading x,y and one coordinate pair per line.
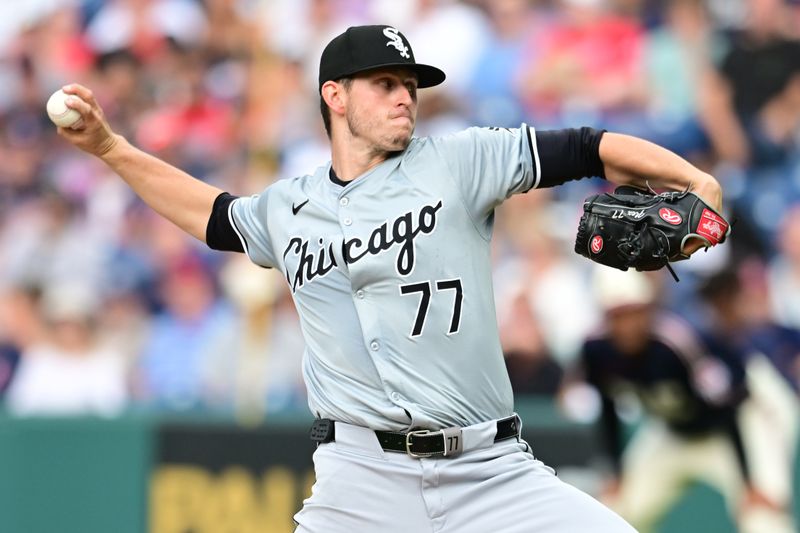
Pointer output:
x,y
238,232
534,147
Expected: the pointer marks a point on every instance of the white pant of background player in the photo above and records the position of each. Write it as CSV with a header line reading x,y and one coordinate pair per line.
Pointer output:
x,y
659,465
490,488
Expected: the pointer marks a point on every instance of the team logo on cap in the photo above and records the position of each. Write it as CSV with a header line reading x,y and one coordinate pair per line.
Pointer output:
x,y
395,40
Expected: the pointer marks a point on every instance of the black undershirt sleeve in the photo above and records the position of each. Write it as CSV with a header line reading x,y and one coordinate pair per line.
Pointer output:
x,y
220,233
569,154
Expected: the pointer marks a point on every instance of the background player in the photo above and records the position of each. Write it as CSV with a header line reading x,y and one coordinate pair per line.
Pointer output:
x,y
737,312
691,387
386,252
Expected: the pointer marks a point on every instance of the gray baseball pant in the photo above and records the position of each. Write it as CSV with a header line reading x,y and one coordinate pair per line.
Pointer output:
x,y
490,488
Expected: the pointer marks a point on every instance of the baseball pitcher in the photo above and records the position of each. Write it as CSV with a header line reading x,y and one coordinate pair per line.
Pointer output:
x,y
386,251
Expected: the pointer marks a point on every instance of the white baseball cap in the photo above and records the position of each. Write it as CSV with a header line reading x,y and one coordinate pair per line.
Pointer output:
x,y
614,288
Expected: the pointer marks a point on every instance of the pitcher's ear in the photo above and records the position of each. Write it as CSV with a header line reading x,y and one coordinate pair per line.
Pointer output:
x,y
334,94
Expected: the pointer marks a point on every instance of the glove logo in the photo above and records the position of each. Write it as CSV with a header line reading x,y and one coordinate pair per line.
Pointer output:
x,y
670,216
597,244
712,226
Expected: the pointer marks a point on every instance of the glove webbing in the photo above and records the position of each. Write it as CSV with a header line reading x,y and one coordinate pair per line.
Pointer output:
x,y
661,255
632,246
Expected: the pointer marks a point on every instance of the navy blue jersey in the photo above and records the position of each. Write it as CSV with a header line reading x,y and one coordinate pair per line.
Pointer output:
x,y
781,345
692,382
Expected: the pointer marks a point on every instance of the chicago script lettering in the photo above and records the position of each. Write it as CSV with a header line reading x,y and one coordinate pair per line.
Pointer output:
x,y
310,266
400,232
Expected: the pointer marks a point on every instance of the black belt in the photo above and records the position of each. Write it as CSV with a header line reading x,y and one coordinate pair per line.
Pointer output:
x,y
445,442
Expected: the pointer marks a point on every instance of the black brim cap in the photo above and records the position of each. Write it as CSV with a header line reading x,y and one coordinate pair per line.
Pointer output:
x,y
363,48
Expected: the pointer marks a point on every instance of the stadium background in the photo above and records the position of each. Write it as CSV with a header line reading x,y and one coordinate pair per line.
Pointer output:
x,y
169,391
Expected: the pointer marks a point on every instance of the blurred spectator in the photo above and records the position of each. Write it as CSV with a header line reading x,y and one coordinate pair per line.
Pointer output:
x,y
531,258
15,17
232,32
494,85
285,387
20,328
178,368
588,65
266,343
751,103
531,368
23,134
68,372
784,272
676,55
189,126
691,387
145,26
125,324
119,90
313,24
46,241
450,34
57,46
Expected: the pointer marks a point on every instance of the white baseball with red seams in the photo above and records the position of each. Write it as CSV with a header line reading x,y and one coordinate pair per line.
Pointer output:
x,y
59,113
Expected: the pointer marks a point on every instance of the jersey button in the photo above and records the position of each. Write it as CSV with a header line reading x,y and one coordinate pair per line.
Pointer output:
x,y
374,346
360,294
347,221
344,201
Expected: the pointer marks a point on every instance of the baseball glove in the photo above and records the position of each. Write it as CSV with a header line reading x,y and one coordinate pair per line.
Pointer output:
x,y
635,228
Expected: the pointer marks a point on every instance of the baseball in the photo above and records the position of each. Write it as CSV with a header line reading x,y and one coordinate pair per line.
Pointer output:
x,y
59,113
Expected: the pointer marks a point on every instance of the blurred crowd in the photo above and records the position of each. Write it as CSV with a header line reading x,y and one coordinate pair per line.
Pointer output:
x,y
106,307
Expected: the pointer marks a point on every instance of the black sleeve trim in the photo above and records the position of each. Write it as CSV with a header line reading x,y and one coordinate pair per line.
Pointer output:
x,y
568,154
537,170
221,233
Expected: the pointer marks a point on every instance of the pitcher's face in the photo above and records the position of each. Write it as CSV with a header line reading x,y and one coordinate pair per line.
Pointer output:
x,y
382,108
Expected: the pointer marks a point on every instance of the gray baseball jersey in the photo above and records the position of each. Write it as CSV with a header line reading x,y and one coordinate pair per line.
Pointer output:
x,y
392,280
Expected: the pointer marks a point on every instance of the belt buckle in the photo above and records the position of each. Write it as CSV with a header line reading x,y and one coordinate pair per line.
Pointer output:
x,y
452,442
